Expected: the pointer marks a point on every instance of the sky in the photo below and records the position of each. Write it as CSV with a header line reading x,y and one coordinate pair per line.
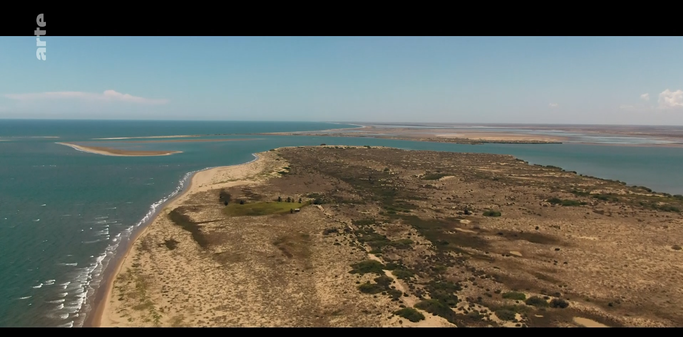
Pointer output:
x,y
545,80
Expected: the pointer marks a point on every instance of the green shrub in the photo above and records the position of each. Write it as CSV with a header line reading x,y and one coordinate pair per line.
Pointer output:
x,y
514,296
492,213
438,308
536,301
410,314
367,266
506,314
559,303
404,274
370,288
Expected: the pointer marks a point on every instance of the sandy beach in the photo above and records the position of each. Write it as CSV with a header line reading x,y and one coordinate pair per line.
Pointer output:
x,y
105,151
105,313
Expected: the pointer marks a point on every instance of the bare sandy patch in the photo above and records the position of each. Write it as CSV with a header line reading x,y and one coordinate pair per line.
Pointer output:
x,y
589,323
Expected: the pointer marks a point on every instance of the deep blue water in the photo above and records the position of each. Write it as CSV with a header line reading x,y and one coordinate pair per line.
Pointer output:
x,y
63,212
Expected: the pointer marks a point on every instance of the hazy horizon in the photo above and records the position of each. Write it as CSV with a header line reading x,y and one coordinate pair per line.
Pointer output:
x,y
452,80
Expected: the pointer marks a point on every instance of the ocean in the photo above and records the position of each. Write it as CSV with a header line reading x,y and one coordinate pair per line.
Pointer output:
x,y
64,213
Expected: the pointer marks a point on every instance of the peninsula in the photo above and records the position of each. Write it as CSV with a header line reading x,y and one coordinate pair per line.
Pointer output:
x,y
365,236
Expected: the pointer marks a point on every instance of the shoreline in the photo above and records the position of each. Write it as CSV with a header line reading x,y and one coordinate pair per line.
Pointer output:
x,y
113,152
103,295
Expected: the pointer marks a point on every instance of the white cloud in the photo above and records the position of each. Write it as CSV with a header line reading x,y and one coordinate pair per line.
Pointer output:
x,y
645,97
671,99
553,105
108,95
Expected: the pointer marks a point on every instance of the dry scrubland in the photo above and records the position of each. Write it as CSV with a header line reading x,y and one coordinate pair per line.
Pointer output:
x,y
388,237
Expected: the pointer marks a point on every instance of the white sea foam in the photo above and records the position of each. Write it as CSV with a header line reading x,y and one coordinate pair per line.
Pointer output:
x,y
61,300
94,241
61,306
72,264
25,297
62,294
67,325
49,282
38,286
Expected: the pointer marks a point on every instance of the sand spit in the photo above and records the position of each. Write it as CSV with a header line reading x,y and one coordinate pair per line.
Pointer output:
x,y
148,137
106,151
188,140
495,136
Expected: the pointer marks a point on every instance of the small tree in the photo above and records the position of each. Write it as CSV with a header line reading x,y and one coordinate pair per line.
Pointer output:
x,y
279,199
291,210
289,199
299,200
241,202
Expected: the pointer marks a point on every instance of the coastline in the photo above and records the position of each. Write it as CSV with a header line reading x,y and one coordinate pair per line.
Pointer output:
x,y
102,293
196,183
116,152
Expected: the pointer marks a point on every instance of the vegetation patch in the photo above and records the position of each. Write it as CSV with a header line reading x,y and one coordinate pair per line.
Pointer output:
x,y
566,202
184,221
536,301
403,274
606,197
443,291
514,296
171,244
410,314
491,213
377,241
294,245
438,308
506,314
433,176
559,303
367,267
370,288
261,208
437,231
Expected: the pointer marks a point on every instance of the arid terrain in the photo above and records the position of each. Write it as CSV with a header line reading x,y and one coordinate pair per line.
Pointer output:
x,y
388,237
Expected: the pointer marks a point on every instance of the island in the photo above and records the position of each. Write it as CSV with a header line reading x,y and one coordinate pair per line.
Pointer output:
x,y
108,151
333,236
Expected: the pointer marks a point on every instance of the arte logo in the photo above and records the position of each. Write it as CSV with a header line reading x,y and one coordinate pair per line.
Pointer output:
x,y
40,53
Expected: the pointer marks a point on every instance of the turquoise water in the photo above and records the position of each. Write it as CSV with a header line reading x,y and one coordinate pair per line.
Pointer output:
x,y
65,213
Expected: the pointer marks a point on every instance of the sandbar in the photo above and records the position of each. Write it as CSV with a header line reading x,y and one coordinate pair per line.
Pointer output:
x,y
106,151
495,136
151,137
188,140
